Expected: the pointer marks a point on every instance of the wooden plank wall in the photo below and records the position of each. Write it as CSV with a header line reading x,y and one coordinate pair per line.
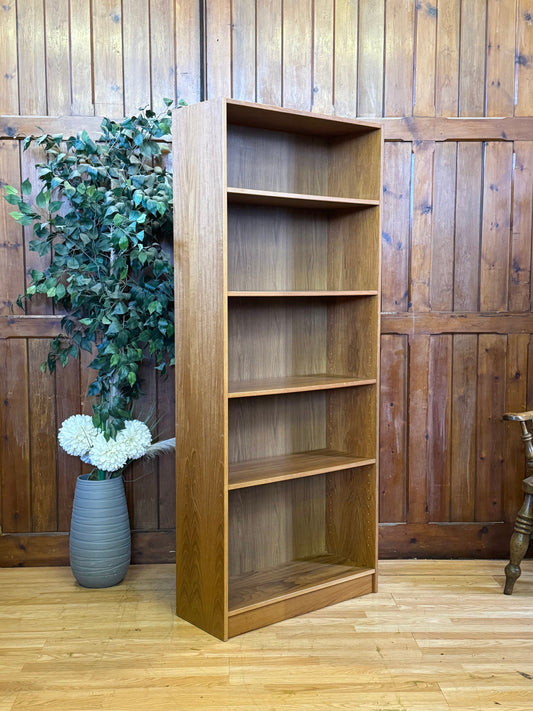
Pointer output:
x,y
451,82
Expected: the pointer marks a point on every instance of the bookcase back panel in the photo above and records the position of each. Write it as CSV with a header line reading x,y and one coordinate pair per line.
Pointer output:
x,y
276,337
281,249
276,523
276,249
276,424
260,159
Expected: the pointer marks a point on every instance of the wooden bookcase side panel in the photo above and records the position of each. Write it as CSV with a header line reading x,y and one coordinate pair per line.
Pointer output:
x,y
350,420
284,249
201,355
275,337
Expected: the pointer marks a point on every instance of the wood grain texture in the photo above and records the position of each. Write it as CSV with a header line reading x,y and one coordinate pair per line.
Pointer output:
x,y
137,84
107,58
9,100
447,61
432,638
201,339
524,51
371,53
501,20
425,65
57,56
473,51
276,53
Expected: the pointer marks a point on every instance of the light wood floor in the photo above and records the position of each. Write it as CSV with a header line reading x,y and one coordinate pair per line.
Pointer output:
x,y
439,635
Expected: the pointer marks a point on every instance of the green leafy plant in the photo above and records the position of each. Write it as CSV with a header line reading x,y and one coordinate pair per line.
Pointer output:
x,y
103,211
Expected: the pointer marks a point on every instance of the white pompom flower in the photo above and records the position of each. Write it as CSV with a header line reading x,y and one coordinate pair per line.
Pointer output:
x,y
77,435
135,438
107,455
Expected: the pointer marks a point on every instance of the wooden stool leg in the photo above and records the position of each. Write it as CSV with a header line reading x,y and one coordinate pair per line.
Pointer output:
x,y
519,540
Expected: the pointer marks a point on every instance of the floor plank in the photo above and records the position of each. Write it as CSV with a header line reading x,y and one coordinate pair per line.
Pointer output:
x,y
438,636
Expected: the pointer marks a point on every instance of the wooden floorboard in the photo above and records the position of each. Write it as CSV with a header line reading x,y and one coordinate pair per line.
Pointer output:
x,y
438,635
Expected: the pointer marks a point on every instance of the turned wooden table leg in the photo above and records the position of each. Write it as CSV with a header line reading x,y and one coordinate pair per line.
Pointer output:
x,y
520,539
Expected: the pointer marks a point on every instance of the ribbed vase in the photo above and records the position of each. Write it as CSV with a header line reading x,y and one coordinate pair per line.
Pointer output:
x,y
100,537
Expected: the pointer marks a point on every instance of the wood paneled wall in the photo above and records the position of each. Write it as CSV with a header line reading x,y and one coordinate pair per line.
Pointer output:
x,y
451,80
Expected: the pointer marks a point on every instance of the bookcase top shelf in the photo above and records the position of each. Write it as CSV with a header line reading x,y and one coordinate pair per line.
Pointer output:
x,y
282,119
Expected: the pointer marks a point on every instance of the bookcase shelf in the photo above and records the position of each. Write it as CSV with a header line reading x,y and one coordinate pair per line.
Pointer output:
x,y
277,252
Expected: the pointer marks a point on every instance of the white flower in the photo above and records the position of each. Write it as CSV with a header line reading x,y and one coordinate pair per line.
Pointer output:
x,y
77,434
108,455
135,438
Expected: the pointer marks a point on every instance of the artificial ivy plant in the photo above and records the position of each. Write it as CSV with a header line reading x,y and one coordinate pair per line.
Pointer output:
x,y
103,210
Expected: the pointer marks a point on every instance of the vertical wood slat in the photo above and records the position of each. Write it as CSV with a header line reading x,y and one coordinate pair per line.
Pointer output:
x,y
243,50
399,49
521,238
57,56
68,385
439,428
81,57
468,226
43,438
346,58
463,444
496,227
501,57
218,49
425,65
29,159
396,227
297,55
393,429
417,408
107,58
472,58
524,59
371,52
9,96
269,52
11,235
491,369
136,52
422,225
515,401
15,450
31,56
167,462
187,48
162,59
442,248
447,71
323,49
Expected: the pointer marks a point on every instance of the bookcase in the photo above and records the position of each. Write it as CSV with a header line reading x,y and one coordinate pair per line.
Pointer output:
x,y
277,260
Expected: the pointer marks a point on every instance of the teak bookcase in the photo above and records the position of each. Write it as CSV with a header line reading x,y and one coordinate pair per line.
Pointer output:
x,y
277,252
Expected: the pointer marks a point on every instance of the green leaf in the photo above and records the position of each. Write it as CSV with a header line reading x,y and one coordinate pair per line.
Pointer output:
x,y
132,377
26,187
24,220
10,190
123,242
43,198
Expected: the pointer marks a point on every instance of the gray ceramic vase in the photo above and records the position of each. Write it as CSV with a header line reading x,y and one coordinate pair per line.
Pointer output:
x,y
100,538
